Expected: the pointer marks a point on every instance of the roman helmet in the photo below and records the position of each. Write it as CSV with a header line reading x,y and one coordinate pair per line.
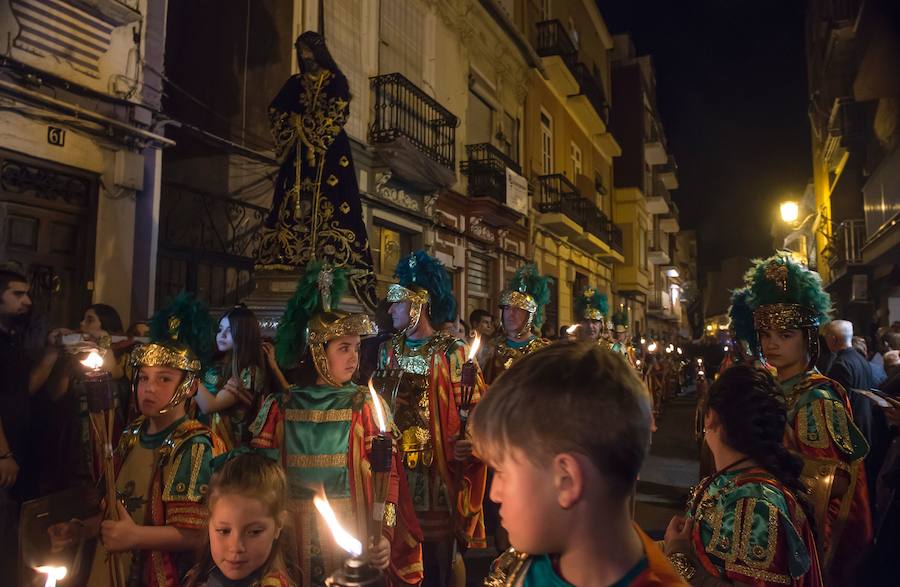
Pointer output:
x,y
423,281
780,293
181,337
311,320
530,291
592,305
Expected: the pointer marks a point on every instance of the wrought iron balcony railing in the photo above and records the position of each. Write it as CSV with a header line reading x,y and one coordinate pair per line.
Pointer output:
x,y
554,40
591,87
404,110
207,244
848,240
486,169
558,194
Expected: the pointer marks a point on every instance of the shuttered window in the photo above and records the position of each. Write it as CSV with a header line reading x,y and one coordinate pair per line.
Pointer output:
x,y
402,39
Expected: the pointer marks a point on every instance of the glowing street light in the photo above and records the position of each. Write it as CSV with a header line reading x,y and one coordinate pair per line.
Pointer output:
x,y
790,211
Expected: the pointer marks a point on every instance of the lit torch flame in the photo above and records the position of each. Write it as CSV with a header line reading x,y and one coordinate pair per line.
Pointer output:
x,y
379,409
571,329
54,574
341,536
93,362
652,347
474,349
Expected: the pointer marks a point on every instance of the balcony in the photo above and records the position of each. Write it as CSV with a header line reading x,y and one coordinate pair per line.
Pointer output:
x,y
668,173
658,256
408,123
558,53
846,247
485,169
669,224
654,147
561,207
589,103
659,200
563,210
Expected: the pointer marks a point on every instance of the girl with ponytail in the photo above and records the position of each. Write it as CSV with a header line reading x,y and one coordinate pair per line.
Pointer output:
x,y
745,524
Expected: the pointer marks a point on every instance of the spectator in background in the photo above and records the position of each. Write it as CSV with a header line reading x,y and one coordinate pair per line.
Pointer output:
x,y
891,385
482,322
859,345
849,368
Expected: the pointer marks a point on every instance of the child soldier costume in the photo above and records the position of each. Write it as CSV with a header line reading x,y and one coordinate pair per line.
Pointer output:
x,y
325,431
162,478
528,291
782,294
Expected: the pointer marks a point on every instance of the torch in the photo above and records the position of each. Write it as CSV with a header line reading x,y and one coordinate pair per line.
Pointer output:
x,y
99,389
380,463
54,574
356,572
468,379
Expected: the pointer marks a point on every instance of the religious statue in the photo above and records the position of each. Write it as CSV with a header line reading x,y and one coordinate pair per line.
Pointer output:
x,y
316,211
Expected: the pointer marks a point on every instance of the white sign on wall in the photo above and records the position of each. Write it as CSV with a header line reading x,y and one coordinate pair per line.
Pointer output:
x,y
516,192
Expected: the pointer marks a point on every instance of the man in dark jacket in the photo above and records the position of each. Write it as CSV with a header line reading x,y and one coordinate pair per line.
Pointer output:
x,y
849,367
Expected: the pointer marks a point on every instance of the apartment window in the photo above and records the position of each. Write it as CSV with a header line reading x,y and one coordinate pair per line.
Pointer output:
x,y
343,20
575,155
402,39
479,270
480,120
545,10
509,141
642,247
578,286
546,143
573,32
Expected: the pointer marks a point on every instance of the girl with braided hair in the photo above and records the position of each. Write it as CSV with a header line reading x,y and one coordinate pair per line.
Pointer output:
x,y
745,524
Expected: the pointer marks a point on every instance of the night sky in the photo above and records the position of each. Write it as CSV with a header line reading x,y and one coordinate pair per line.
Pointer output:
x,y
731,90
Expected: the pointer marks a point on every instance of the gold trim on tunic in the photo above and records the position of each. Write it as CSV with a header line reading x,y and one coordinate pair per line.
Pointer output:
x,y
317,461
318,416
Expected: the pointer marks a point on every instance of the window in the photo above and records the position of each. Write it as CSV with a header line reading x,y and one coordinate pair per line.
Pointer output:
x,y
578,286
575,155
642,247
510,139
479,121
343,20
479,271
402,39
545,9
546,143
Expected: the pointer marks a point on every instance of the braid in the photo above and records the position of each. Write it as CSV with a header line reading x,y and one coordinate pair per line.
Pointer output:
x,y
750,406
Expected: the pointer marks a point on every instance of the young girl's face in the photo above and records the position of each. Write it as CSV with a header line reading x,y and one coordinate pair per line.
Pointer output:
x,y
241,534
343,357
224,341
90,324
784,349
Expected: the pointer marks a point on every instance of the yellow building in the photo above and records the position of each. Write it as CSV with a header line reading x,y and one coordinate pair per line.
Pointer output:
x,y
569,150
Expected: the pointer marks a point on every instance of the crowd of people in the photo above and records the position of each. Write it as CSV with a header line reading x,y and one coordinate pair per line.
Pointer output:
x,y
425,437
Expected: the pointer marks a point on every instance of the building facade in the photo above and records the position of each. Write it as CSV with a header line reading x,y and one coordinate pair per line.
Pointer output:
x,y
650,281
80,150
853,56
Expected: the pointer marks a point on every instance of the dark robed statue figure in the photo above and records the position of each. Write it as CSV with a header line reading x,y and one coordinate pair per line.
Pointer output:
x,y
316,210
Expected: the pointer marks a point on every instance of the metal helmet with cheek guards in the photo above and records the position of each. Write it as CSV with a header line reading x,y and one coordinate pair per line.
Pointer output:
x,y
181,337
592,305
780,293
530,291
424,282
310,321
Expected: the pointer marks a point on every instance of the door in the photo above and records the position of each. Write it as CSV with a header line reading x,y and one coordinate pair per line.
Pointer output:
x,y
47,224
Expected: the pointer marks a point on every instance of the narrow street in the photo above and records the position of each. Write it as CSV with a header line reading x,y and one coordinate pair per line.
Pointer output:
x,y
668,474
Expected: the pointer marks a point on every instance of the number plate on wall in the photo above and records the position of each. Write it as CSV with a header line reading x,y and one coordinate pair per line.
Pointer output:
x,y
56,136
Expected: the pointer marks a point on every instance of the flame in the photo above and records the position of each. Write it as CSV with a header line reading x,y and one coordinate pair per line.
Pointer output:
x,y
679,351
652,347
643,341
638,362
341,536
93,362
379,409
54,574
726,348
475,346
571,329
699,360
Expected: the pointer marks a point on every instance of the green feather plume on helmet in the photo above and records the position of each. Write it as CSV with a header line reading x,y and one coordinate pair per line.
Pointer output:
x,y
185,321
781,279
422,270
742,317
591,305
292,334
528,281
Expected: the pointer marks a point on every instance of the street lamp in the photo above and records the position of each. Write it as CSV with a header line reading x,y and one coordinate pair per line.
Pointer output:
x,y
790,211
